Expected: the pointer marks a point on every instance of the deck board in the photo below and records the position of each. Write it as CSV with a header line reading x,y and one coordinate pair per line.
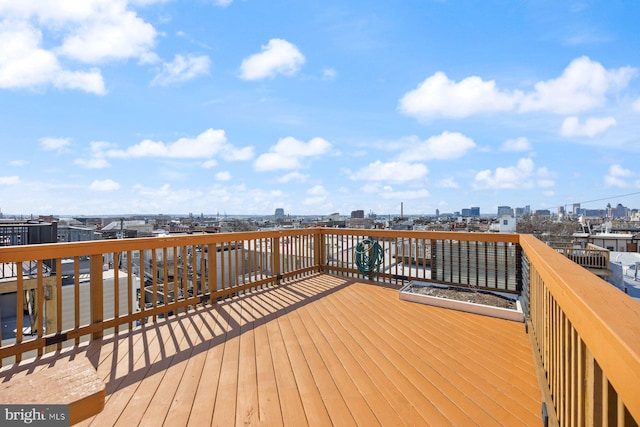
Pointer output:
x,y
323,350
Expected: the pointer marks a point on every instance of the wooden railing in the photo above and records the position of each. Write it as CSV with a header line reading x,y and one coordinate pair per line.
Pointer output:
x,y
586,332
482,260
591,256
112,285
587,335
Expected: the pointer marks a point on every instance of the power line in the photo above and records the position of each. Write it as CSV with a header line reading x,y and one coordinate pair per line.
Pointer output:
x,y
609,198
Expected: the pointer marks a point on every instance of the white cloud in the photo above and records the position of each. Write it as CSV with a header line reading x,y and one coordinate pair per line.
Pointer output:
x,y
182,69
110,32
205,145
522,176
9,180
545,178
152,192
18,163
289,153
223,176
593,126
88,31
438,96
329,74
24,64
92,163
277,57
293,176
518,144
104,185
391,172
147,2
233,154
636,105
389,193
447,183
583,85
316,195
446,146
223,3
97,159
54,144
617,176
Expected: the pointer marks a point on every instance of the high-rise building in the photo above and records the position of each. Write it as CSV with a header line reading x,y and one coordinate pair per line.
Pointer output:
x,y
505,211
279,213
475,212
357,213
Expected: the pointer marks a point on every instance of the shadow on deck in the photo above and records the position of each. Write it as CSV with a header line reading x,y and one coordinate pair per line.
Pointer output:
x,y
321,350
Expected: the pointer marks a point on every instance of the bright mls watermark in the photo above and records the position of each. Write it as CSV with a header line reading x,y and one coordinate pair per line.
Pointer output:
x,y
34,415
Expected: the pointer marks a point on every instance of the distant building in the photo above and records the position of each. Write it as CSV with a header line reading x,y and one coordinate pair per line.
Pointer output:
x,y
542,212
475,212
504,224
619,211
279,214
576,209
466,212
13,232
357,214
67,233
505,211
127,229
366,223
595,213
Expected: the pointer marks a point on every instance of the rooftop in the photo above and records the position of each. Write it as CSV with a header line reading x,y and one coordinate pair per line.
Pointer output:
x,y
280,327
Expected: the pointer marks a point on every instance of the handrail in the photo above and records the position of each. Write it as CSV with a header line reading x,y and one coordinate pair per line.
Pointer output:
x,y
588,337
148,278
587,333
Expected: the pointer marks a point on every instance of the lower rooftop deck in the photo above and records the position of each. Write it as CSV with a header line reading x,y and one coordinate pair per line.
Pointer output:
x,y
323,350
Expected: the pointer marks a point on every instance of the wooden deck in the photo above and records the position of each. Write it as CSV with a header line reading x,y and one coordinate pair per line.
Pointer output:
x,y
321,351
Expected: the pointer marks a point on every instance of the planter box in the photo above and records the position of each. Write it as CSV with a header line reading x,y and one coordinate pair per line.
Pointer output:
x,y
470,307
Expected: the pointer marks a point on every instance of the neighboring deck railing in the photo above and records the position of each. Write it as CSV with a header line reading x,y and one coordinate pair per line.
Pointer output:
x,y
591,257
586,332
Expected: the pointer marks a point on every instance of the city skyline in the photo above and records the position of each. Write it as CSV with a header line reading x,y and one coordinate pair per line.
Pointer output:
x,y
610,210
151,106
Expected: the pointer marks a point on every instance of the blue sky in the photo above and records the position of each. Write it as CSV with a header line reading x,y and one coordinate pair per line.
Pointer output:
x,y
242,107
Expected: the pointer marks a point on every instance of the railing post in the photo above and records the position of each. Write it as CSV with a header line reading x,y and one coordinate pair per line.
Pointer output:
x,y
275,250
50,312
433,244
320,255
97,294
